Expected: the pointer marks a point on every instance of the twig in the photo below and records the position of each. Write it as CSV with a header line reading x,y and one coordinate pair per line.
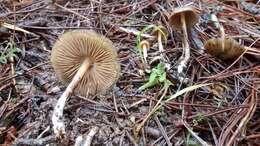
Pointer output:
x,y
131,138
163,131
13,27
202,142
43,132
90,136
213,133
136,32
33,142
147,117
245,120
71,11
115,103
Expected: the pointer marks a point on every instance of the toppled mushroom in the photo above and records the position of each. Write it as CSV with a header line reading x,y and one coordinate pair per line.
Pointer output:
x,y
87,62
227,49
183,18
145,45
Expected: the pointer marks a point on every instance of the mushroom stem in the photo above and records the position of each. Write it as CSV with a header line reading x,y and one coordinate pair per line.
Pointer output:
x,y
159,38
161,50
145,53
58,124
222,35
186,56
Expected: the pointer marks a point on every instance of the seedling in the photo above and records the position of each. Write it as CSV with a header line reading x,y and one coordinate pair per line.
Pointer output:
x,y
11,52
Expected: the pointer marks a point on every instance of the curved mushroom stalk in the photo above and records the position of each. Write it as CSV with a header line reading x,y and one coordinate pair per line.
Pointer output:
x,y
186,49
57,117
160,45
181,19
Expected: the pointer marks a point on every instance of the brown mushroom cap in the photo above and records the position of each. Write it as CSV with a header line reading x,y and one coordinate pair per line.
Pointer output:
x,y
191,17
73,47
160,29
145,43
232,49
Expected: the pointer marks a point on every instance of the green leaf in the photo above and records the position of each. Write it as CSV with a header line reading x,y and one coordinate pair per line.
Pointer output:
x,y
157,75
162,78
153,80
11,52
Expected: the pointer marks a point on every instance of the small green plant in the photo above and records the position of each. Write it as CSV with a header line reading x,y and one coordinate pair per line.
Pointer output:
x,y
158,75
9,53
199,118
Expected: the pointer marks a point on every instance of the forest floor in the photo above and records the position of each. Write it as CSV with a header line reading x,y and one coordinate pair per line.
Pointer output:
x,y
227,111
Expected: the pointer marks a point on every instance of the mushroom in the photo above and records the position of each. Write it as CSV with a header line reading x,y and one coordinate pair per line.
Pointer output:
x,y
159,32
145,45
87,63
183,18
227,49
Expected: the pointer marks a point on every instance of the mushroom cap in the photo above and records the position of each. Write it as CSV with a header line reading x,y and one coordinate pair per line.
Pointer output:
x,y
160,29
73,47
145,43
232,49
190,14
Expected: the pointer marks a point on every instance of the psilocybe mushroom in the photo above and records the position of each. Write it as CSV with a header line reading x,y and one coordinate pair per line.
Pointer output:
x,y
87,63
228,48
145,45
161,33
183,18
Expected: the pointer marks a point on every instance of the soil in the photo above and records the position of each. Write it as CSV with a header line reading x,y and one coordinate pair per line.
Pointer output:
x,y
225,112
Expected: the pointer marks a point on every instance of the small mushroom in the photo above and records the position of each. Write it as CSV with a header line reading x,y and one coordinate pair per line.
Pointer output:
x,y
183,18
227,49
159,32
87,62
145,45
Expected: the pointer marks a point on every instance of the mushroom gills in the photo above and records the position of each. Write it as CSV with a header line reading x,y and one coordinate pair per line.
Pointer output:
x,y
75,47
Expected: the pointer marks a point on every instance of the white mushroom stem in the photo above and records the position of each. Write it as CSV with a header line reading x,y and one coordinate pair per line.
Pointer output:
x,y
144,48
222,35
161,50
159,38
87,139
57,117
186,57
